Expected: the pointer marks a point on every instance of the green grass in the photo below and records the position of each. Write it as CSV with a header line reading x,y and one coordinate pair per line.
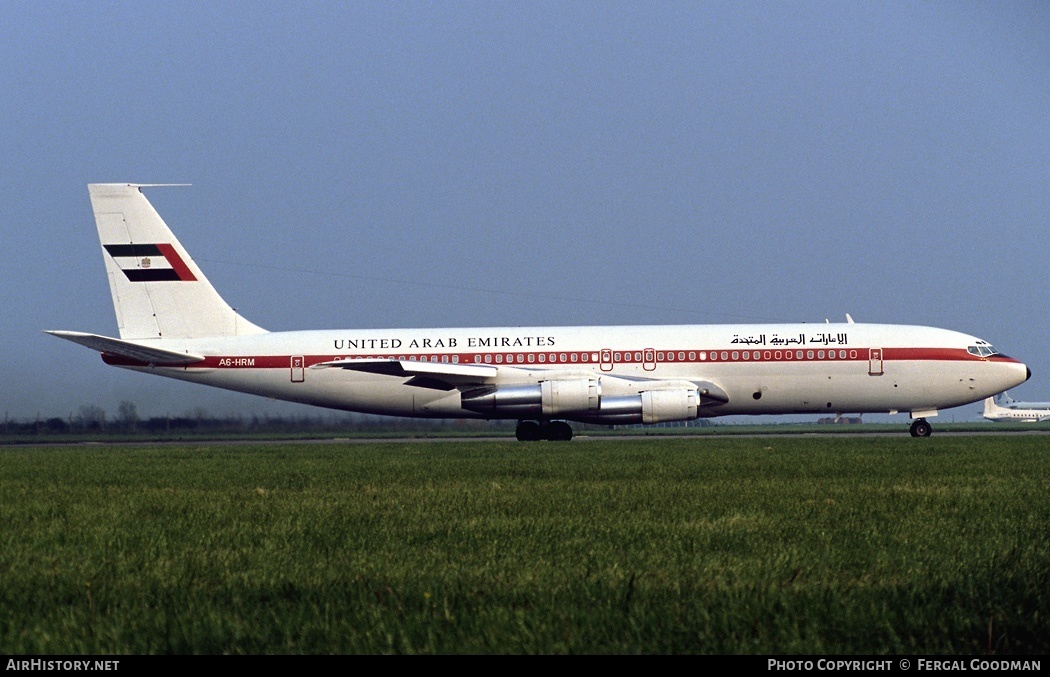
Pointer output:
x,y
773,545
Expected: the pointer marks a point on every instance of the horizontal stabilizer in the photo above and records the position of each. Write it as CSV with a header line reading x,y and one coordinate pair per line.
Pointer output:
x,y
134,351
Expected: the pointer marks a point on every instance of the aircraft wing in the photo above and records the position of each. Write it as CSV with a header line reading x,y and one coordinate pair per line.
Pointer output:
x,y
437,375
134,351
445,376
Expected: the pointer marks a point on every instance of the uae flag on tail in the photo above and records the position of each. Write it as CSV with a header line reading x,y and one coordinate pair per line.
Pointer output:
x,y
150,262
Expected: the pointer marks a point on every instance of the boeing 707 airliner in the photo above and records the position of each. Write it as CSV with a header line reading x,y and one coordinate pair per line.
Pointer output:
x,y
173,323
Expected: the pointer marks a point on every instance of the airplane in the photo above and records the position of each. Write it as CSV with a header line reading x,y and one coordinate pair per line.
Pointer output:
x,y
173,323
1004,400
994,412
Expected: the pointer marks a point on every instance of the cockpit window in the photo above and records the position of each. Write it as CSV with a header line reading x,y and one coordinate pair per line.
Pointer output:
x,y
984,350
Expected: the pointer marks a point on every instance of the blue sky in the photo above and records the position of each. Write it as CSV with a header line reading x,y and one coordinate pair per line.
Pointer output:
x,y
408,164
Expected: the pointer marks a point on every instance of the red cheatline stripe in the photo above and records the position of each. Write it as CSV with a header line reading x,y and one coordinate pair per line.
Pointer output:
x,y
176,262
890,355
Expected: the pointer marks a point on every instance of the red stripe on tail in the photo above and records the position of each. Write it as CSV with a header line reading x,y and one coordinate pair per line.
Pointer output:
x,y
177,263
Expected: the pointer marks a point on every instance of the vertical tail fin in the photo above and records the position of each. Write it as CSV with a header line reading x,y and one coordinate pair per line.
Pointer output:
x,y
158,291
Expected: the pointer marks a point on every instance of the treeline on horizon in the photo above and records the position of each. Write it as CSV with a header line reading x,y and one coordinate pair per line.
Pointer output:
x,y
93,420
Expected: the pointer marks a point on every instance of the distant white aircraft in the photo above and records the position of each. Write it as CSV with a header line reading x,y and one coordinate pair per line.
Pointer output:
x,y
173,323
994,412
1004,400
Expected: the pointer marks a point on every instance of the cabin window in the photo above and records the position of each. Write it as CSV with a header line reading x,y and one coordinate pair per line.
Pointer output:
x,y
736,355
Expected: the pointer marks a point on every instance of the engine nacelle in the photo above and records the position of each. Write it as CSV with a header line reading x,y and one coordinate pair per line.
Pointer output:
x,y
570,397
521,400
669,405
548,398
651,406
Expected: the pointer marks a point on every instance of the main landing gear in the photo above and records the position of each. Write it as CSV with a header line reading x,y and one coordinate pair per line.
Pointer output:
x,y
920,427
554,431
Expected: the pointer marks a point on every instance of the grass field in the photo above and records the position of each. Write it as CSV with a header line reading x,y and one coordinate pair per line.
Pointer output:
x,y
772,545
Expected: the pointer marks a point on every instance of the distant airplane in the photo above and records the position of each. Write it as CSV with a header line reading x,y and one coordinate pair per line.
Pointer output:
x,y
994,412
173,323
1004,400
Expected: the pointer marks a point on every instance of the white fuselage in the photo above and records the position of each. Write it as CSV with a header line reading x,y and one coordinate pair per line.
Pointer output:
x,y
758,369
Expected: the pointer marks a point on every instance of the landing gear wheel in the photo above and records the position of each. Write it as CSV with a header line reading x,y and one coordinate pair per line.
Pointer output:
x,y
557,431
528,431
554,431
920,427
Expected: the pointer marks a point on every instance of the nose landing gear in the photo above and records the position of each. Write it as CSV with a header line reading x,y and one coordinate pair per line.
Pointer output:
x,y
920,427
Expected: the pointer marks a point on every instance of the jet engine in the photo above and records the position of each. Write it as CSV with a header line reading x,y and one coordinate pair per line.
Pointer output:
x,y
547,398
582,400
651,406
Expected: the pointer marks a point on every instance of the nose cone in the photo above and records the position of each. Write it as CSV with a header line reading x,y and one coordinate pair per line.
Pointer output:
x,y
1007,373
1017,372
